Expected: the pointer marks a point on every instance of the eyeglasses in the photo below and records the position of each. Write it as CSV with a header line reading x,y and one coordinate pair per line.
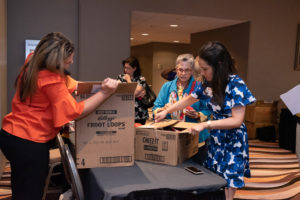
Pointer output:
x,y
184,70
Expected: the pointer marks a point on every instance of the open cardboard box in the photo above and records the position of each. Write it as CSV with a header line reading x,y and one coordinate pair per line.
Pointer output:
x,y
105,138
166,142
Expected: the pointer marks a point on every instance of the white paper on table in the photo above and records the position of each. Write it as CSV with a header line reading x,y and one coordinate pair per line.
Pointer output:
x,y
292,99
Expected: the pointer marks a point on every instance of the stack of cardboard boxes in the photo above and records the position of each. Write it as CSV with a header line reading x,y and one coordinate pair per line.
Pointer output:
x,y
260,115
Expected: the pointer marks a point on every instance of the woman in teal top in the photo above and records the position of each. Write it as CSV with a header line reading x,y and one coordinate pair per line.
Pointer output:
x,y
183,85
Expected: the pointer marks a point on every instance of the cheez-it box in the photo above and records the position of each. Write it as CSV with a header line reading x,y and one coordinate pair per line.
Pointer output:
x,y
166,142
105,138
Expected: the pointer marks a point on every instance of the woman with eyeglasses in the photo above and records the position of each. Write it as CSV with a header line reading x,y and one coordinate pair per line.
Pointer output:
x,y
228,96
179,88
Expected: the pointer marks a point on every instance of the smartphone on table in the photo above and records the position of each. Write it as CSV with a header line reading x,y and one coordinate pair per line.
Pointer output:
x,y
193,170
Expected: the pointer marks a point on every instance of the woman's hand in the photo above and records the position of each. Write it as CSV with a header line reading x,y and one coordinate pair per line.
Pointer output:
x,y
141,94
191,113
139,91
158,110
160,116
109,86
127,78
197,129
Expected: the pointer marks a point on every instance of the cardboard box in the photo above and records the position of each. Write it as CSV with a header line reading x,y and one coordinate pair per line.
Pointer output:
x,y
105,138
263,112
153,144
252,126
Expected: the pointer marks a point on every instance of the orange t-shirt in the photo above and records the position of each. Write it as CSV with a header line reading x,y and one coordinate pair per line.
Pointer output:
x,y
40,117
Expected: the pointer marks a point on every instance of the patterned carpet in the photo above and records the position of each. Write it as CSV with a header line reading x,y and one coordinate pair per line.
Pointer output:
x,y
275,175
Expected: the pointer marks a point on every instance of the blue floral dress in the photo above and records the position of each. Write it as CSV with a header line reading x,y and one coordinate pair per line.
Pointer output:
x,y
228,153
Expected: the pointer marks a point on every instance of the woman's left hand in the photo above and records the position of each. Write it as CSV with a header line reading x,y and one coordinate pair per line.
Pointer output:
x,y
160,116
197,128
140,91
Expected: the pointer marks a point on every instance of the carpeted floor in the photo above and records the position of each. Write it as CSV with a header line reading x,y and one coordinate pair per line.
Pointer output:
x,y
275,175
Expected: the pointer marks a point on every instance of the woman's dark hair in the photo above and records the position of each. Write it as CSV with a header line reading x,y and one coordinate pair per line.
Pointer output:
x,y
217,56
134,63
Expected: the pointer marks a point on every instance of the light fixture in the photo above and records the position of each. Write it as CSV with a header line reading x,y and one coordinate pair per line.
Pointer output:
x,y
145,34
173,25
176,41
131,38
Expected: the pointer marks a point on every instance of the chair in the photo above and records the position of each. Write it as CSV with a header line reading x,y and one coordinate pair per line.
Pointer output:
x,y
54,160
70,170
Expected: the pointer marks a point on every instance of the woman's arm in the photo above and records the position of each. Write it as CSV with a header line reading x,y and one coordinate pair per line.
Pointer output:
x,y
186,101
108,87
235,121
139,91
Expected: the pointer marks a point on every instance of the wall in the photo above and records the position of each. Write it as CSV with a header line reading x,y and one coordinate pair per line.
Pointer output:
x,y
33,19
3,64
104,34
155,58
144,53
236,40
164,56
272,38
104,38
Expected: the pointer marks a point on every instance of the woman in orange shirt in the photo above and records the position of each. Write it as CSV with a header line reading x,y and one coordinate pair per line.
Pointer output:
x,y
41,105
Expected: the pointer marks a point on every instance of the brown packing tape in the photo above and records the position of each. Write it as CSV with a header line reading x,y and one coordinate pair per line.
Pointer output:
x,y
86,87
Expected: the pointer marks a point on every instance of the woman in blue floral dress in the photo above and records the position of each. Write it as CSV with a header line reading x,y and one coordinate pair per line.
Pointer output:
x,y
227,95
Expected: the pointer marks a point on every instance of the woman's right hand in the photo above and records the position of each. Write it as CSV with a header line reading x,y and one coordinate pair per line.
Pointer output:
x,y
139,91
160,116
109,86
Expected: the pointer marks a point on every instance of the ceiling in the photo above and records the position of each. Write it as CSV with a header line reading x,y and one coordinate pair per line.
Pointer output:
x,y
157,25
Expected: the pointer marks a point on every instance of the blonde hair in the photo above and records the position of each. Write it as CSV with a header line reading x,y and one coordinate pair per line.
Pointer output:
x,y
49,54
197,72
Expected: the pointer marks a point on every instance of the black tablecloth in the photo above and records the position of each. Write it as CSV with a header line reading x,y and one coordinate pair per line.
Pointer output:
x,y
143,179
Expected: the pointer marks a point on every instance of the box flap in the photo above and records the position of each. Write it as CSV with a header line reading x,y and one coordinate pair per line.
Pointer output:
x,y
161,124
169,122
95,86
184,125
